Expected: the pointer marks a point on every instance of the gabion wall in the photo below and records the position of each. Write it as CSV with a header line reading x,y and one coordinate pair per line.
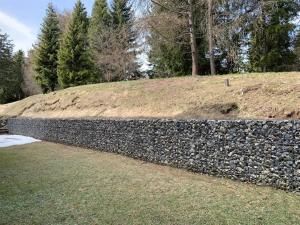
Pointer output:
x,y
3,122
261,152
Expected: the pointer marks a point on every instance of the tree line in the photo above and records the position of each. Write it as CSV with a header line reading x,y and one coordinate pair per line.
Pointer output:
x,y
11,71
180,37
87,50
223,36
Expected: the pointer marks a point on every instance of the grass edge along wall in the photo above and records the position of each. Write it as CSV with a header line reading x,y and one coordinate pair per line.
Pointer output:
x,y
256,151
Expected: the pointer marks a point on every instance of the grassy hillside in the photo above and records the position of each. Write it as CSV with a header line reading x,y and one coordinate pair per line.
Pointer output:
x,y
261,96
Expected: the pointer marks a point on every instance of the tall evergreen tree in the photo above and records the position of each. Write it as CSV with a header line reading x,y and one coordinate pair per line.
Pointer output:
x,y
297,51
99,22
11,71
122,41
47,51
98,30
169,40
121,12
6,62
271,41
75,66
100,17
122,19
18,74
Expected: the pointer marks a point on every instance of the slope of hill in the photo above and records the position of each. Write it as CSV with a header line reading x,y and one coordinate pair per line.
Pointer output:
x,y
259,96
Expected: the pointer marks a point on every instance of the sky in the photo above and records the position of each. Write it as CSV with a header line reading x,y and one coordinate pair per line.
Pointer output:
x,y
21,19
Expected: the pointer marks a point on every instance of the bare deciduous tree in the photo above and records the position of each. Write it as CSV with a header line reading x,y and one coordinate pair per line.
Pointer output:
x,y
114,55
29,85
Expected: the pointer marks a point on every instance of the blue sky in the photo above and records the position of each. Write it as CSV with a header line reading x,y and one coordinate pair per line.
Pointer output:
x,y
21,19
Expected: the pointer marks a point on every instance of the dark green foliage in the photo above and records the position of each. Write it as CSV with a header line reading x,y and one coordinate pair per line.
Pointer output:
x,y
6,49
11,71
121,13
47,51
122,17
170,52
297,51
75,66
271,41
98,28
100,16
99,22
168,59
18,74
118,60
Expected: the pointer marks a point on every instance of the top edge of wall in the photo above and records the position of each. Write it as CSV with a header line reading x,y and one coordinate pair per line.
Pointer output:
x,y
165,119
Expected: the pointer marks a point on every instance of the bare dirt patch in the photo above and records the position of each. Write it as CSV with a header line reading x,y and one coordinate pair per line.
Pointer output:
x,y
213,111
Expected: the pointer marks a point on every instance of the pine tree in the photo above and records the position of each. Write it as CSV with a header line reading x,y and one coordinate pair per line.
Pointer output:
x,y
75,66
122,28
271,41
297,51
99,29
47,51
11,71
122,19
121,12
6,68
170,51
100,17
18,74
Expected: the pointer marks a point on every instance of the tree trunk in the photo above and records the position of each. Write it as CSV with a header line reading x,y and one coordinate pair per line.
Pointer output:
x,y
195,67
210,38
265,51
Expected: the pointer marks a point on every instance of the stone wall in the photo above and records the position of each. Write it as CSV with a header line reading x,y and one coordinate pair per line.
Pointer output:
x,y
3,122
261,152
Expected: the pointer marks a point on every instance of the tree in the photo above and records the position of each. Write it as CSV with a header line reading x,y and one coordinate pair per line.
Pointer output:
x,y
121,13
113,40
30,86
297,51
173,50
64,20
228,26
169,45
99,26
47,51
75,65
6,69
18,74
221,29
11,71
185,10
271,40
100,17
210,36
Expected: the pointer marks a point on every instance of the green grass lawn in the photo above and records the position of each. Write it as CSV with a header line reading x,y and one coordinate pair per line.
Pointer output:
x,y
45,183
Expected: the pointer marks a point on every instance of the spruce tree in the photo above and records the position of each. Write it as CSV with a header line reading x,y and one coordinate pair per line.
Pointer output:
x,y
271,40
75,66
170,52
100,17
122,24
121,12
6,68
18,74
122,19
297,50
47,51
99,30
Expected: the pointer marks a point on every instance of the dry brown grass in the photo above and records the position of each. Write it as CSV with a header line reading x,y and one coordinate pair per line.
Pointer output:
x,y
261,96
